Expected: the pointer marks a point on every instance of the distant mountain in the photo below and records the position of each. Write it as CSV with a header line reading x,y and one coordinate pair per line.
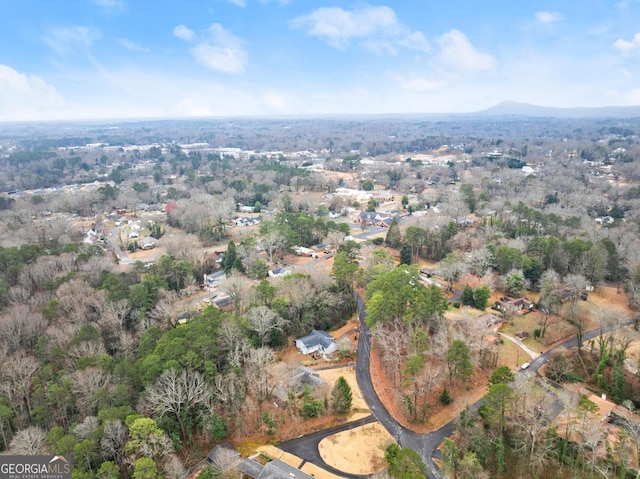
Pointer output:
x,y
512,108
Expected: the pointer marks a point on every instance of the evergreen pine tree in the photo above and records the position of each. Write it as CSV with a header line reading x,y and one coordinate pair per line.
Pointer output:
x,y
467,296
405,254
393,239
229,257
480,296
445,398
341,396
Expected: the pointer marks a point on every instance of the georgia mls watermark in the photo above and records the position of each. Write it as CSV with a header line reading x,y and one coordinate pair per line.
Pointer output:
x,y
35,467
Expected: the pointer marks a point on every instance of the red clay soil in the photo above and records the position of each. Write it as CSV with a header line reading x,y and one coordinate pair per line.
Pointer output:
x,y
438,414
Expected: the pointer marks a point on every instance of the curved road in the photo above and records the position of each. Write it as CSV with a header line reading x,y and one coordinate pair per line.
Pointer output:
x,y
306,447
426,445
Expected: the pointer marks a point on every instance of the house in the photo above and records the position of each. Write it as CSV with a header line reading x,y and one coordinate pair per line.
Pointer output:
x,y
377,218
275,469
302,251
322,248
246,221
316,341
93,237
184,317
224,303
366,217
279,272
514,305
301,377
605,220
464,221
214,279
148,242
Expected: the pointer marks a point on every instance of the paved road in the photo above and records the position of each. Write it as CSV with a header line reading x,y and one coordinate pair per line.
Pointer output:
x,y
423,444
426,445
306,447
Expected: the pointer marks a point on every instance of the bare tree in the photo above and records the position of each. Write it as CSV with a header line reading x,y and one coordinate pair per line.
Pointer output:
x,y
232,342
480,261
113,441
166,310
272,242
532,413
472,332
86,383
20,328
115,313
256,363
88,426
299,291
173,467
393,341
230,390
74,300
94,265
451,267
264,321
29,442
87,349
177,393
17,376
577,284
236,286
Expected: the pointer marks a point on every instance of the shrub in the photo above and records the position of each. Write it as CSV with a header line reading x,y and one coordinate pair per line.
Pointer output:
x,y
445,398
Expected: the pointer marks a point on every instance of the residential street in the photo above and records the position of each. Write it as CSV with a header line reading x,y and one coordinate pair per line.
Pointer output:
x,y
426,445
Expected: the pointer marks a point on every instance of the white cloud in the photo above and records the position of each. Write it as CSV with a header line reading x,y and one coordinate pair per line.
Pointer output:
x,y
25,96
66,41
183,33
548,17
457,52
418,84
628,46
377,28
129,45
238,3
220,51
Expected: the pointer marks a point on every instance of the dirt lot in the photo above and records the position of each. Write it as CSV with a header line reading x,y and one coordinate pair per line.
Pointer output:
x,y
357,451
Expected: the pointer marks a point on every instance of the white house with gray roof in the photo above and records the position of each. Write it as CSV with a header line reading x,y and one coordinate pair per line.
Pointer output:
x,y
316,341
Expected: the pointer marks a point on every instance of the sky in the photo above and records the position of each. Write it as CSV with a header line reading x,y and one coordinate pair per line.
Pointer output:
x,y
134,59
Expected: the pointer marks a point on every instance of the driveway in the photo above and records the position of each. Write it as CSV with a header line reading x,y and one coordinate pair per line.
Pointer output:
x,y
113,241
306,447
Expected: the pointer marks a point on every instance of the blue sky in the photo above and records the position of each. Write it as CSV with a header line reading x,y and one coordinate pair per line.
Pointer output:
x,y
94,59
